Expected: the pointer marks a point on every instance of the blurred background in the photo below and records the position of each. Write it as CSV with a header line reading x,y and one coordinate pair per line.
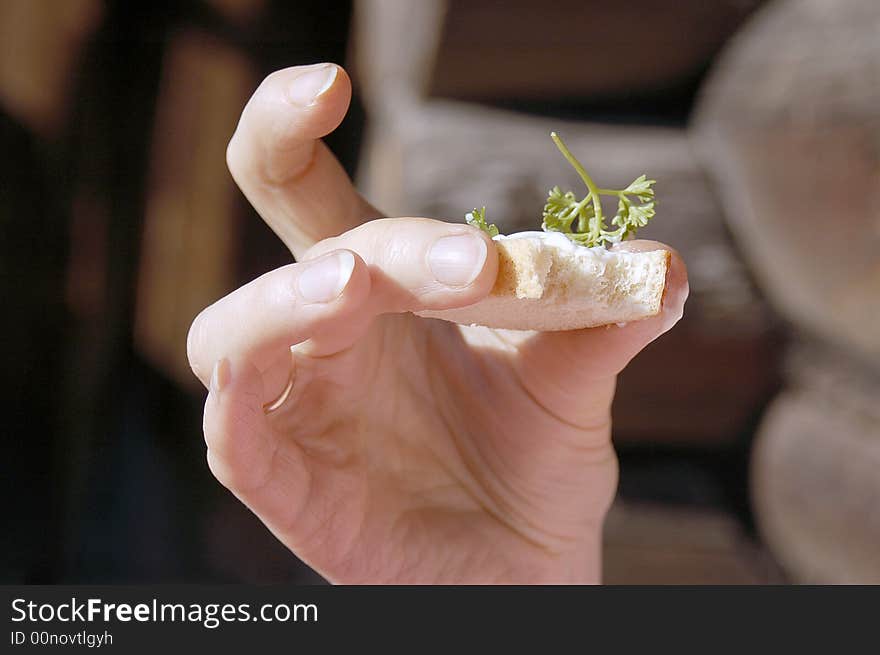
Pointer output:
x,y
749,436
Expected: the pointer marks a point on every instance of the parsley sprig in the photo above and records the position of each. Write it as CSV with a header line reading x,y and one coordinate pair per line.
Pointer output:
x,y
477,218
582,219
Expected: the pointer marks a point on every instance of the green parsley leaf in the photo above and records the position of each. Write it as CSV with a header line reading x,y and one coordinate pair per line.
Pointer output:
x,y
581,219
590,229
477,218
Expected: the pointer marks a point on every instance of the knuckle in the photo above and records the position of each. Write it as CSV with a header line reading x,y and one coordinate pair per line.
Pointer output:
x,y
225,469
275,292
220,469
195,343
236,472
233,155
290,159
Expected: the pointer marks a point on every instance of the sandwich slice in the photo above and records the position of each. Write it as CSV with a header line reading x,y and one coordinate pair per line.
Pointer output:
x,y
565,277
547,282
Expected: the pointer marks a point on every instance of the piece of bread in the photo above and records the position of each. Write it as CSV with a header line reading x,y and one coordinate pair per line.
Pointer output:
x,y
546,282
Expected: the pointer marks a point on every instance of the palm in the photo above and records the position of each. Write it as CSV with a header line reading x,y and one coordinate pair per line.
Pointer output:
x,y
429,460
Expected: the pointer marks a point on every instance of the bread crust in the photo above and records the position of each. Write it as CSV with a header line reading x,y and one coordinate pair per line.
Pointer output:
x,y
547,283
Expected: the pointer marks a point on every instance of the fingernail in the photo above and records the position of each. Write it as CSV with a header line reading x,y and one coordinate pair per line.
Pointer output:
x,y
323,280
457,260
220,376
306,88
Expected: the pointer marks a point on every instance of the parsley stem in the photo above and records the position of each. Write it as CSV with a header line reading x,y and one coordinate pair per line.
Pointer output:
x,y
591,186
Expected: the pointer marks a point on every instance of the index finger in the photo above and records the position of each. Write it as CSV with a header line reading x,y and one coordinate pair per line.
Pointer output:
x,y
288,175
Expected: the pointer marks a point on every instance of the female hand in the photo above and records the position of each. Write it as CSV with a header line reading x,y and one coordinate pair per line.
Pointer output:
x,y
405,449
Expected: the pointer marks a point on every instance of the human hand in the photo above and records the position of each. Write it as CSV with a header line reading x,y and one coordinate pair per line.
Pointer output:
x,y
406,449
